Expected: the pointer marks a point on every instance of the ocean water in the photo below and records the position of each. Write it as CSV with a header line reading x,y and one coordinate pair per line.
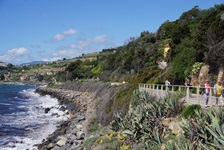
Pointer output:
x,y
23,121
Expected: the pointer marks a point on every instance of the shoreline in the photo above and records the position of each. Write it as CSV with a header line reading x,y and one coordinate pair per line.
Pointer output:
x,y
85,102
22,83
27,123
69,134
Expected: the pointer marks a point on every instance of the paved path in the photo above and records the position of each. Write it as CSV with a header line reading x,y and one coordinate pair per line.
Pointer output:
x,y
191,99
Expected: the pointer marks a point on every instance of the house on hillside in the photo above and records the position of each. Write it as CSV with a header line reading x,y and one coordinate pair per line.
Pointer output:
x,y
24,77
166,50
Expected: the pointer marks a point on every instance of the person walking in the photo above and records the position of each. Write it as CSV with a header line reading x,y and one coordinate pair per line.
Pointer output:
x,y
167,84
218,92
206,92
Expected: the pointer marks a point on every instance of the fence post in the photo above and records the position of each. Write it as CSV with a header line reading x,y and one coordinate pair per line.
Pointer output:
x,y
153,89
198,95
139,86
187,95
210,96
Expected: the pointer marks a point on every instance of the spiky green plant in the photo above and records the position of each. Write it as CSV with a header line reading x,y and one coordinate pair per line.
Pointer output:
x,y
144,121
205,130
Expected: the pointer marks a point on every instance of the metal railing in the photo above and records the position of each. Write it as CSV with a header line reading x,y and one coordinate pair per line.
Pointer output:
x,y
193,94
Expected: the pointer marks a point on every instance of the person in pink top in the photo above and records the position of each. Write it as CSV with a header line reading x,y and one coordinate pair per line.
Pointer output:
x,y
207,89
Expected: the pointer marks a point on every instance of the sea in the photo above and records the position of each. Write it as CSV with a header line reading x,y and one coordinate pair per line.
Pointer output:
x,y
23,120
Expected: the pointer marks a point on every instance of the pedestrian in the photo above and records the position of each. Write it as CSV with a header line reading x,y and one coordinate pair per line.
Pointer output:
x,y
206,92
218,92
167,83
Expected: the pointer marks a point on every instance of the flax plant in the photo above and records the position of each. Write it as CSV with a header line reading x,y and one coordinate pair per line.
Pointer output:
x,y
143,122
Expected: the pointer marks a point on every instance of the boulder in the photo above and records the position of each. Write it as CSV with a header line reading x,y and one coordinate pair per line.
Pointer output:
x,y
61,142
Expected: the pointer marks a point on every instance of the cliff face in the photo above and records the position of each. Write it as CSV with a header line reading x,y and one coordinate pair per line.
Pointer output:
x,y
95,96
204,75
88,101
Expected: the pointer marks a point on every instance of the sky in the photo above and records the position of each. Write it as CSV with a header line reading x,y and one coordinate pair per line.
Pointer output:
x,y
49,30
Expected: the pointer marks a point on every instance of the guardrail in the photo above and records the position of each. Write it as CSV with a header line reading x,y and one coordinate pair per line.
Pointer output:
x,y
194,94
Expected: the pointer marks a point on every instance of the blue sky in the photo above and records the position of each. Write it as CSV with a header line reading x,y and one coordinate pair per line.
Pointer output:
x,y
34,30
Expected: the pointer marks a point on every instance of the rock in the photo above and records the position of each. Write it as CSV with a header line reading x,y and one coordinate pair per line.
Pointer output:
x,y
61,142
80,135
46,110
55,114
62,108
79,126
50,145
76,148
177,129
166,121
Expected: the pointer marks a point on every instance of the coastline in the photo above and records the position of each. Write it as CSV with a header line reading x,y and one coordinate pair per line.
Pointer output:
x,y
24,120
85,103
69,134
22,83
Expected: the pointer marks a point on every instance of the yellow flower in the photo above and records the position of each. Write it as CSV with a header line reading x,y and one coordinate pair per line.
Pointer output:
x,y
99,141
125,147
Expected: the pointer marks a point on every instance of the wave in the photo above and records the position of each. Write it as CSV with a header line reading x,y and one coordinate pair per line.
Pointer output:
x,y
5,104
34,123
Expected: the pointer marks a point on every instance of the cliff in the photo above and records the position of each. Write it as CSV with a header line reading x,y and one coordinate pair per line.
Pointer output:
x,y
86,103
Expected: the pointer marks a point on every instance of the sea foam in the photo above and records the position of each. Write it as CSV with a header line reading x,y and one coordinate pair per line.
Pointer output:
x,y
36,124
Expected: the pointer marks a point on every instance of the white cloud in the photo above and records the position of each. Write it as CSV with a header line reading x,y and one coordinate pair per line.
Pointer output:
x,y
70,32
92,42
77,48
14,55
58,37
68,53
61,36
17,51
52,59
101,39
83,46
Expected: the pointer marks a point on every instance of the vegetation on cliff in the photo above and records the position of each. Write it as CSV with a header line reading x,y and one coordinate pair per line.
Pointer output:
x,y
196,37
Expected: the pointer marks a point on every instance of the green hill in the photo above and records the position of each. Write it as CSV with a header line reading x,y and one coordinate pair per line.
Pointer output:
x,y
196,37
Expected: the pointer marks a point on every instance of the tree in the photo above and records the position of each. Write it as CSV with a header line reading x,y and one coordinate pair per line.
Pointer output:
x,y
183,60
10,66
2,77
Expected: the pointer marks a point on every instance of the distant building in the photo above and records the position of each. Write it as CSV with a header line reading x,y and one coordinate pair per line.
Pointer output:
x,y
166,50
24,77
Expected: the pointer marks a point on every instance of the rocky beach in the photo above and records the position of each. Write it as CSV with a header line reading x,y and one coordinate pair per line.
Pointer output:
x,y
70,134
79,100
